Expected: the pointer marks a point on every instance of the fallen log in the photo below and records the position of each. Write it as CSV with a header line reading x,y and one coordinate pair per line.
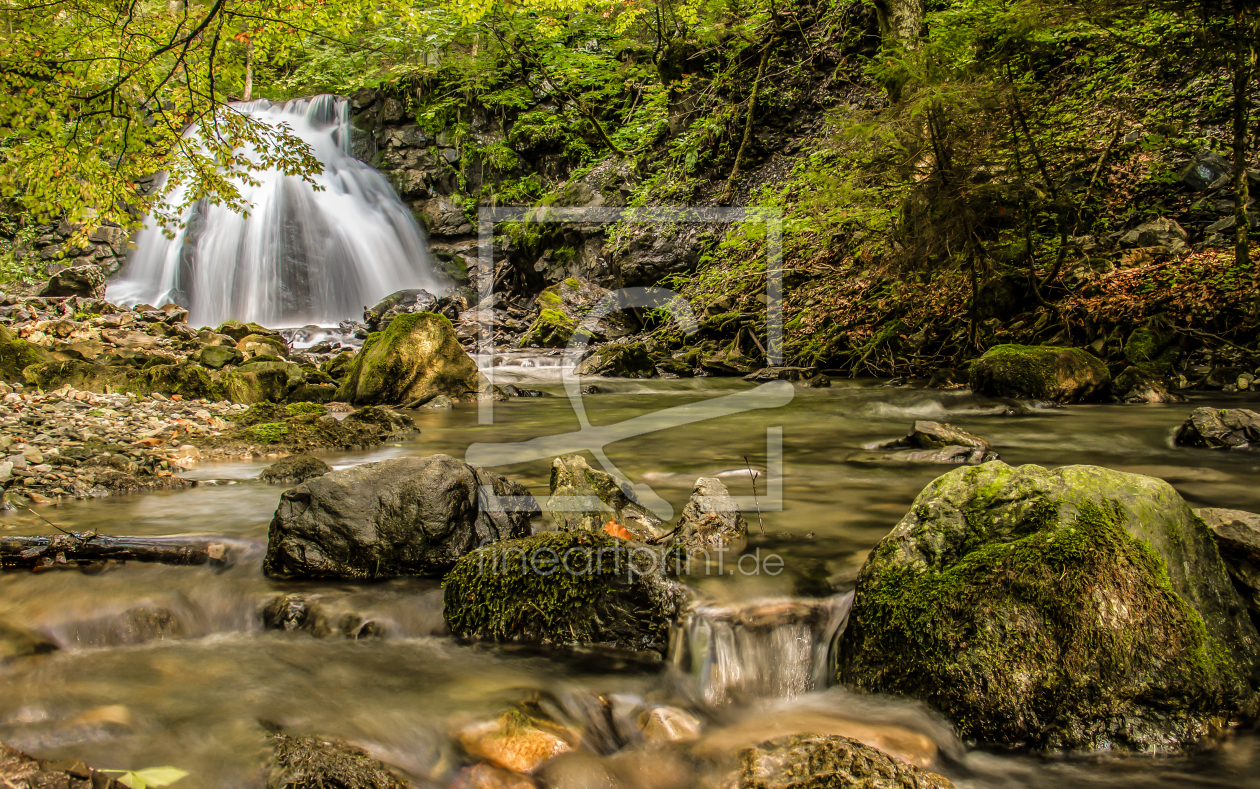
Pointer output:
x,y
64,549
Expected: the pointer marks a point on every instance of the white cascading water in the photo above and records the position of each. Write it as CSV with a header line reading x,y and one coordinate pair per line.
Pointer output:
x,y
760,649
301,256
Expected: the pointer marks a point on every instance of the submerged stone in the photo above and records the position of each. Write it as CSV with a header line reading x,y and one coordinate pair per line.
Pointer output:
x,y
811,761
294,469
1074,608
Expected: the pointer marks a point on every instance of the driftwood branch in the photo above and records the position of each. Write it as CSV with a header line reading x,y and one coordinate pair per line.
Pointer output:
x,y
64,549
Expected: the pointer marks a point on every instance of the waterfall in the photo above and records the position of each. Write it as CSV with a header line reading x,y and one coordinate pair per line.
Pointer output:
x,y
301,256
762,649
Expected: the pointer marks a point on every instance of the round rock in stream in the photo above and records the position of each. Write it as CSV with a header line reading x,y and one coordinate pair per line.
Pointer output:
x,y
294,470
1074,608
404,516
811,761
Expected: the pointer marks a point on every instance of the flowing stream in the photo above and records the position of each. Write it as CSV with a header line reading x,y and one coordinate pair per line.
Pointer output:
x,y
170,665
301,256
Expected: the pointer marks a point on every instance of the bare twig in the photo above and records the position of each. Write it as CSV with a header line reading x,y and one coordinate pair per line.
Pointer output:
x,y
50,523
753,476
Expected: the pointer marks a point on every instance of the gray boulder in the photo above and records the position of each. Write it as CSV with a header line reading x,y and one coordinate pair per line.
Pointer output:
x,y
1215,428
1160,232
404,516
1142,384
1074,608
1237,536
1205,169
294,469
85,281
938,442
585,499
814,761
711,522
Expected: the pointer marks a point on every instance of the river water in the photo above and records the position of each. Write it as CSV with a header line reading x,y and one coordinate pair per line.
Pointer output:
x,y
170,665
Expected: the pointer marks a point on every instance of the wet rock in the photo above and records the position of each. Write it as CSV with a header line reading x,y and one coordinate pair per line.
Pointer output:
x,y
669,724
417,355
16,642
294,470
1065,375
1073,608
551,329
485,776
306,762
21,771
218,356
711,521
85,281
948,378
516,741
1237,535
263,345
1214,428
296,612
239,331
822,762
937,442
1141,384
398,303
619,360
609,591
585,499
404,516
801,375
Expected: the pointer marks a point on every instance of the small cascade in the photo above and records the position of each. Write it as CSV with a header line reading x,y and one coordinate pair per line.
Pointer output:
x,y
763,649
301,256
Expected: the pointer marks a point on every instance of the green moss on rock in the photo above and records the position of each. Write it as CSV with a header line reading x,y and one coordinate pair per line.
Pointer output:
x,y
1046,372
619,360
17,354
418,355
563,588
1075,608
552,329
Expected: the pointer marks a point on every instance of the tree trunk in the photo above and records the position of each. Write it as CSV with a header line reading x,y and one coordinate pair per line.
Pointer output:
x,y
249,71
901,22
1244,66
63,549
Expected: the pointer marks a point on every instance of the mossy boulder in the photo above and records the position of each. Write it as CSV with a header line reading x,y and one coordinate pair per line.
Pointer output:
x,y
294,470
564,588
1074,608
1065,375
17,354
239,331
619,360
183,378
404,516
337,367
552,329
267,383
263,345
216,357
1143,383
418,355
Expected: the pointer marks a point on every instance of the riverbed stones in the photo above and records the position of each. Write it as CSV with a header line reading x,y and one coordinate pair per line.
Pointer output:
x,y
1065,375
564,588
517,741
1074,608
301,762
418,355
586,499
619,360
294,470
1219,428
810,761
711,523
19,770
397,517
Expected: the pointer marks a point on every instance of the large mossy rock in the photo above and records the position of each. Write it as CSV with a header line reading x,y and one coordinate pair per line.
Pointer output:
x,y
184,378
17,354
1074,608
564,588
812,761
418,356
551,329
404,516
1065,375
586,499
